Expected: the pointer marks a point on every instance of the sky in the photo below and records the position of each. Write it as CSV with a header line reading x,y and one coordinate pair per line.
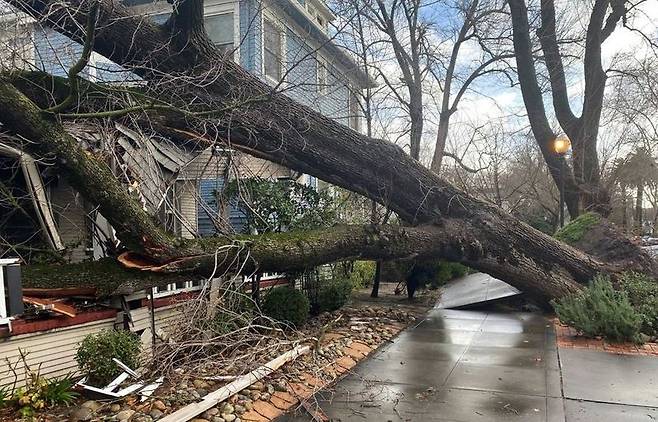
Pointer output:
x,y
492,100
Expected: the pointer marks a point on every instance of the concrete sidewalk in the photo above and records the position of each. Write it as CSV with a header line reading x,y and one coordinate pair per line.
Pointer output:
x,y
486,366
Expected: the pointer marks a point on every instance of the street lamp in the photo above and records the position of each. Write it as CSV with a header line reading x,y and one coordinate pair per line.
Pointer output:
x,y
561,146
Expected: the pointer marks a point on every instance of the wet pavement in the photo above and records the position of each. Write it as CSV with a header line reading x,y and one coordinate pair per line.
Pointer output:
x,y
469,366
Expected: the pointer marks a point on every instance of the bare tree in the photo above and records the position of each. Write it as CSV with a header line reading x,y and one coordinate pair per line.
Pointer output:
x,y
583,187
483,25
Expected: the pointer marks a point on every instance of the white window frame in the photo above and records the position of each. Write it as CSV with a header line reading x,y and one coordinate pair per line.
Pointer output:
x,y
269,16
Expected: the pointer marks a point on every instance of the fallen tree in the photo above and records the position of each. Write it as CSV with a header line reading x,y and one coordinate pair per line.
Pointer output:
x,y
251,117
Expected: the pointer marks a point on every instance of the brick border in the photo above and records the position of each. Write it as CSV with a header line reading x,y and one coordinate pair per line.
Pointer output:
x,y
568,338
298,392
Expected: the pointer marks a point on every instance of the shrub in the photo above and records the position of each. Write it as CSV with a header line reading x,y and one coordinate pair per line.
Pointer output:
x,y
334,295
362,274
600,310
287,305
642,292
576,229
96,351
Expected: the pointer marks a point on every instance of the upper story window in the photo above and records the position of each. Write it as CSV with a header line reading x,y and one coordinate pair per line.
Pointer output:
x,y
220,31
272,50
322,80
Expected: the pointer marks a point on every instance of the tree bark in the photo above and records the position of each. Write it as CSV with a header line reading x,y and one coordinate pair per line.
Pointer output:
x,y
376,279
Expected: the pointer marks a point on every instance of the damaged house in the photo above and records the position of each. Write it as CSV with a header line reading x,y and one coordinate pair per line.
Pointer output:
x,y
287,43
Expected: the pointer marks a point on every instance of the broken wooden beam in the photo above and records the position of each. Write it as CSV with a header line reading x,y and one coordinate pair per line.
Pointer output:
x,y
51,305
210,400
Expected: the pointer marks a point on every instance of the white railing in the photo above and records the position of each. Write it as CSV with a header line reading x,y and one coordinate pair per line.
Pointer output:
x,y
173,288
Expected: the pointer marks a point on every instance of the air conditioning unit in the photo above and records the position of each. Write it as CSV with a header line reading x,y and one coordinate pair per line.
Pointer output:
x,y
11,290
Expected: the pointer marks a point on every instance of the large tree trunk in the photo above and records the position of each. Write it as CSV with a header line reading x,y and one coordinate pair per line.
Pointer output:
x,y
271,126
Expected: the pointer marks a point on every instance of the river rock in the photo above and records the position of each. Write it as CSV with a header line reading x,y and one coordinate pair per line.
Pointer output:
x,y
124,415
80,414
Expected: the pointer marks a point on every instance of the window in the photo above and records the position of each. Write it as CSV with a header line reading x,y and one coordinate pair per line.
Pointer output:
x,y
272,50
220,31
354,112
322,77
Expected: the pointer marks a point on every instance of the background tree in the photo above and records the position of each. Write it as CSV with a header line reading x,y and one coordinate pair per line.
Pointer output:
x,y
583,187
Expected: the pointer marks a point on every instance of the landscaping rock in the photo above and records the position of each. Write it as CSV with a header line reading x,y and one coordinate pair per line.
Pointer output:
x,y
92,405
259,386
201,384
124,415
227,408
115,407
80,414
229,417
159,405
156,414
208,414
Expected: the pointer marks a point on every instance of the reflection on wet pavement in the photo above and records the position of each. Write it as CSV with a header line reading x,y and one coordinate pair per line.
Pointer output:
x,y
454,365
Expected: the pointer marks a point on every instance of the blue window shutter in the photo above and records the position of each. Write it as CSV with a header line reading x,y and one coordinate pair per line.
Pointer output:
x,y
208,190
237,216
208,202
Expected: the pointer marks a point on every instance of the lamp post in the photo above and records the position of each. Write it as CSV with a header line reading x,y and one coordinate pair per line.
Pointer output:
x,y
561,146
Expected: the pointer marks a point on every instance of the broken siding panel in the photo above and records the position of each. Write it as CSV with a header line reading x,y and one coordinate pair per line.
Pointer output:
x,y
165,317
206,165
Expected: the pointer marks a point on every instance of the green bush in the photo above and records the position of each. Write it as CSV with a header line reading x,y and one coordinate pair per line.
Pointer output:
x,y
362,274
96,351
600,310
334,295
642,292
576,229
287,305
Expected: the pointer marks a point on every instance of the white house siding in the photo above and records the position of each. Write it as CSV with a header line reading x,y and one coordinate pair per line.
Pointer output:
x,y
186,193
55,349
